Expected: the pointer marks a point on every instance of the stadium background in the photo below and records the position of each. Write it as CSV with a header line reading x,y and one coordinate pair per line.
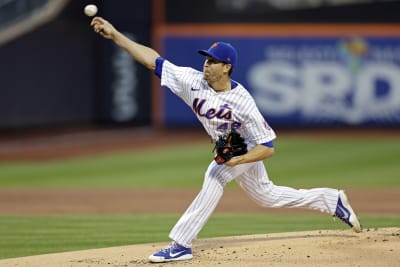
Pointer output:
x,y
60,74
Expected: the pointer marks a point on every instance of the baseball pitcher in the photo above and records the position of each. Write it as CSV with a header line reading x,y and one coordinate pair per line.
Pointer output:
x,y
243,139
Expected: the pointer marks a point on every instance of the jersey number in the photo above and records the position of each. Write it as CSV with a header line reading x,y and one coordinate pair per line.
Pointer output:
x,y
225,126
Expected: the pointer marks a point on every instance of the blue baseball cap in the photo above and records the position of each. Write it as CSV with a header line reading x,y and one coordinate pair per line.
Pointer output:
x,y
221,51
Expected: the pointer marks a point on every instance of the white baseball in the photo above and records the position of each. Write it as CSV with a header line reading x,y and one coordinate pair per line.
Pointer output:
x,y
90,10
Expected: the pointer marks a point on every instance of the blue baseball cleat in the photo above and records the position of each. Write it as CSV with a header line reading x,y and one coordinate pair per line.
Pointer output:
x,y
173,252
346,213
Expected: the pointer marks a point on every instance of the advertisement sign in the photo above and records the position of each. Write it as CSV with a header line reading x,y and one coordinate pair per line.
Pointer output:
x,y
123,84
305,81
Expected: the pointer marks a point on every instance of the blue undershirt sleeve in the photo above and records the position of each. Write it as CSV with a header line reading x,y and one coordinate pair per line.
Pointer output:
x,y
269,144
159,64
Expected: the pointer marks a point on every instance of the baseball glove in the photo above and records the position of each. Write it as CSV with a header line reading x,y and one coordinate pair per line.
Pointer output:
x,y
228,146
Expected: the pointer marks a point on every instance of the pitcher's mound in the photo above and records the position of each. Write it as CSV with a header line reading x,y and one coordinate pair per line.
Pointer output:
x,y
372,247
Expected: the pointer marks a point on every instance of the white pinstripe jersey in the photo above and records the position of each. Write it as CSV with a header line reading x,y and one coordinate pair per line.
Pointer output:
x,y
218,111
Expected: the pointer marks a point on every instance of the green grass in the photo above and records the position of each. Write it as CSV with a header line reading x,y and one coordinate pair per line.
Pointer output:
x,y
337,162
156,168
32,235
298,162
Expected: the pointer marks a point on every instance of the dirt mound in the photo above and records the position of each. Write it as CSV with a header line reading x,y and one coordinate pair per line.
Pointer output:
x,y
372,247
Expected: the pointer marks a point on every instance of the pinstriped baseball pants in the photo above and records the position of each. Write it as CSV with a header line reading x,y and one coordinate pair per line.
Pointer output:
x,y
253,179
